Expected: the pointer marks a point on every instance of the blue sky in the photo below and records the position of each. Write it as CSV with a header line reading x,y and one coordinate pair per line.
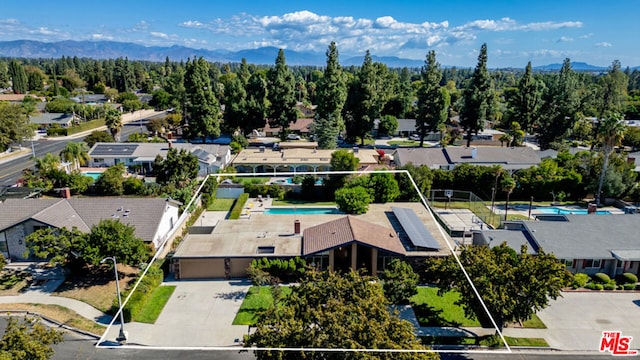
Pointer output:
x,y
515,31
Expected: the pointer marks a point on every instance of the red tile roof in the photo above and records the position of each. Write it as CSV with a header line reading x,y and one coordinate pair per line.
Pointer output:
x,y
346,230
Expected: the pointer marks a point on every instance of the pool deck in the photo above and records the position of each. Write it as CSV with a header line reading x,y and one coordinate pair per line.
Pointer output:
x,y
524,209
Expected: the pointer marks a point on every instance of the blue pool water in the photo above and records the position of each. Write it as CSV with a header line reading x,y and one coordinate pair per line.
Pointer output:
x,y
93,175
289,181
301,211
555,210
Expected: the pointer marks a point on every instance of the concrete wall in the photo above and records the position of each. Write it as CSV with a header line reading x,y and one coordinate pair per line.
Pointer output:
x,y
167,223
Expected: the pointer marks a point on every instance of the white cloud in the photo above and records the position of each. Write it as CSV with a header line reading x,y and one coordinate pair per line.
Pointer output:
x,y
565,39
101,37
141,26
604,44
159,34
586,36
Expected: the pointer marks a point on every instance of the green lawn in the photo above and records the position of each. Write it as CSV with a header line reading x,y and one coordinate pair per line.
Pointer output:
x,y
434,310
155,304
534,323
258,299
302,202
221,205
491,341
256,180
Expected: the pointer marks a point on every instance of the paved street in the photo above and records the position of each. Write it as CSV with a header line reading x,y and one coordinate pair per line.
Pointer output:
x,y
11,167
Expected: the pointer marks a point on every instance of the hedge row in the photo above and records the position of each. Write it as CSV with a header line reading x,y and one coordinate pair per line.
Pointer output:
x,y
89,125
138,300
238,205
602,281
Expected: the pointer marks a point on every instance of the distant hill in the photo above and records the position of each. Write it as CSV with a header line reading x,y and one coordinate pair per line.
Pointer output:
x,y
261,56
575,65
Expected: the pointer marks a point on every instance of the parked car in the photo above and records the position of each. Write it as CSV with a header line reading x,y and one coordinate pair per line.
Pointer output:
x,y
415,137
293,137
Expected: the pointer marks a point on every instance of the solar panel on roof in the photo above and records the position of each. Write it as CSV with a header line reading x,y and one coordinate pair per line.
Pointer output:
x,y
413,226
114,149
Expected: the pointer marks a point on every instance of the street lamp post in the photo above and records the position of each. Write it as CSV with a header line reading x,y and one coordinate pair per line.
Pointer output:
x,y
122,336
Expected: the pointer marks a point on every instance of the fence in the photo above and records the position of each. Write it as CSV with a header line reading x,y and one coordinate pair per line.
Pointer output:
x,y
458,199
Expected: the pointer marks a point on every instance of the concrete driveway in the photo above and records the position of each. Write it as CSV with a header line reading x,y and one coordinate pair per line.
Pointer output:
x,y
198,314
576,321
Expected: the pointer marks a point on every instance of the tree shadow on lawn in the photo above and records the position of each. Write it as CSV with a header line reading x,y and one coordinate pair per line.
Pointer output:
x,y
431,317
95,276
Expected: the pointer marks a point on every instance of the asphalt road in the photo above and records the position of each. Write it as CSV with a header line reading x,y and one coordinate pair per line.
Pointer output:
x,y
11,171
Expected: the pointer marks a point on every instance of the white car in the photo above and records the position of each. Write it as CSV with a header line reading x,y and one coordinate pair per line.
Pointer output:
x,y
293,137
415,137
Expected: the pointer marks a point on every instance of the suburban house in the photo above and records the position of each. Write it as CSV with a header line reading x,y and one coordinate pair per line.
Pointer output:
x,y
47,120
449,157
326,241
585,243
153,218
301,127
634,158
90,99
259,160
211,157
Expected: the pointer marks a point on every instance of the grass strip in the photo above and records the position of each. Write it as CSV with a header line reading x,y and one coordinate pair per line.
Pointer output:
x,y
154,305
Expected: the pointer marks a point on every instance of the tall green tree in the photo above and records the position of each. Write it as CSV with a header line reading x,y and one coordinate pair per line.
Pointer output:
x,y
256,106
526,105
203,109
399,282
98,136
4,75
613,90
432,112
610,133
28,339
363,104
19,81
561,105
477,98
14,124
331,97
328,310
110,182
513,286
235,105
282,96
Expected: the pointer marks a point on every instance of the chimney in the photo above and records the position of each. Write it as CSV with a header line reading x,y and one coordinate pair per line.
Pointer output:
x,y
65,193
296,227
474,152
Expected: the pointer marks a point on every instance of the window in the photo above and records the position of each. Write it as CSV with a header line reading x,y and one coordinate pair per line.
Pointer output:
x,y
266,250
592,263
567,263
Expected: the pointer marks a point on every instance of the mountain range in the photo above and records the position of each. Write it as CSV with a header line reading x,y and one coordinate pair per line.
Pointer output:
x,y
264,55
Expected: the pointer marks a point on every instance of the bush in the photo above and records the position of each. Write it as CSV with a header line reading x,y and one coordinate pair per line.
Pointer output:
x,y
133,186
610,286
629,286
236,210
629,278
273,190
598,287
590,286
580,280
601,278
290,270
57,132
136,303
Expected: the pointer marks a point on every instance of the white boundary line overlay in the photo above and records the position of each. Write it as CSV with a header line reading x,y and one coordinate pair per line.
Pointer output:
x,y
101,342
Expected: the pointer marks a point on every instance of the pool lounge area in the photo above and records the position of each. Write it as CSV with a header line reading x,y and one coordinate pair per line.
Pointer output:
x,y
302,211
567,211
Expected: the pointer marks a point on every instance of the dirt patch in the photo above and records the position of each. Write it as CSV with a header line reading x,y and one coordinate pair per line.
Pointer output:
x,y
96,286
59,314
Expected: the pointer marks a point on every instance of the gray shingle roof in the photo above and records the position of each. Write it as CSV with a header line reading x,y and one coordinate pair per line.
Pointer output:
x,y
510,158
51,118
206,153
143,213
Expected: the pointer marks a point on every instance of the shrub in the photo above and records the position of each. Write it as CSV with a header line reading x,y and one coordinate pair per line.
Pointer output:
x,y
629,278
598,287
288,270
590,286
609,286
580,280
601,278
236,210
629,286
136,303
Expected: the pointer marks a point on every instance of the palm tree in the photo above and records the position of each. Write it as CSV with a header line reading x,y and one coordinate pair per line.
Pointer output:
x,y
610,133
113,120
507,184
76,153
47,163
505,138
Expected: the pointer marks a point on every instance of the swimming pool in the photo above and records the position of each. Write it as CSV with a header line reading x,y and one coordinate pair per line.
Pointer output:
x,y
93,175
301,211
561,211
289,181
